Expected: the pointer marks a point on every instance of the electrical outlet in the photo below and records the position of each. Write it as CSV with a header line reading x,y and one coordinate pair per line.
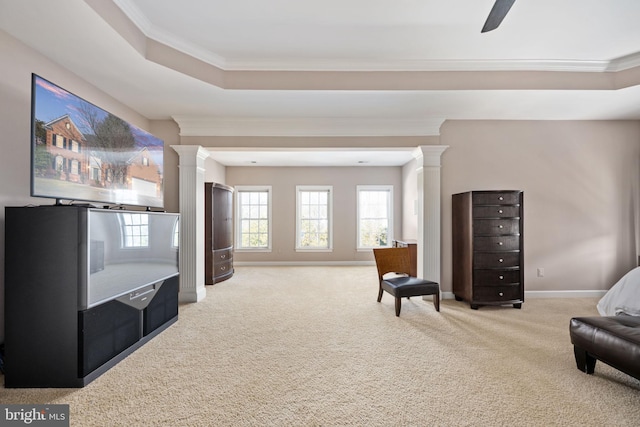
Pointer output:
x,y
540,272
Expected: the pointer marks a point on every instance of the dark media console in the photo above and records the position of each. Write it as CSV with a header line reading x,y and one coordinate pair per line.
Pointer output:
x,y
84,288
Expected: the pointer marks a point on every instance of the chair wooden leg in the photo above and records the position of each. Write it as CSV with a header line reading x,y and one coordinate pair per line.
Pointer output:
x,y
380,294
436,301
398,305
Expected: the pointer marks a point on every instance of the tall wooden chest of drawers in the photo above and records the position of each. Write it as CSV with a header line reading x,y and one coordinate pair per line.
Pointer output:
x,y
218,240
488,267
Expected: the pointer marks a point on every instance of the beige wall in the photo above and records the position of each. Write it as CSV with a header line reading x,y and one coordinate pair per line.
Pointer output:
x,y
167,130
344,181
214,171
409,201
580,183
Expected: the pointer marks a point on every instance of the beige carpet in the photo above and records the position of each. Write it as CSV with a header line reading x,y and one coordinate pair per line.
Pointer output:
x,y
310,346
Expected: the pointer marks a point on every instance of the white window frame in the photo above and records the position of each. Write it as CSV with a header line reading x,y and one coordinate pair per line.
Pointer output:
x,y
320,188
390,236
238,229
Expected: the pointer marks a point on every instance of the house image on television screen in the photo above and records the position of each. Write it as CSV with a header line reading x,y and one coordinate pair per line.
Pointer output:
x,y
80,152
66,157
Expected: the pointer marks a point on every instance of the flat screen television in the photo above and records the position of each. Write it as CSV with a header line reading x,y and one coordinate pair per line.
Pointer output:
x,y
80,152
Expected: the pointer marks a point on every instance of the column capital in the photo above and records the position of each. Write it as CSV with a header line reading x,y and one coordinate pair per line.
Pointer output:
x,y
429,155
191,155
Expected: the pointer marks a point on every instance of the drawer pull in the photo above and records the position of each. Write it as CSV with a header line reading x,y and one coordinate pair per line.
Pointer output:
x,y
500,243
500,294
501,226
501,260
500,198
223,256
501,277
500,211
223,268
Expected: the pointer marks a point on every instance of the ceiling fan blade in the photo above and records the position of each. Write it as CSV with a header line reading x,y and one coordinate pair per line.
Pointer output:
x,y
497,14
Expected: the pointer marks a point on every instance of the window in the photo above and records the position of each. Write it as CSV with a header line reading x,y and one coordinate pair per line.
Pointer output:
x,y
135,230
95,174
375,216
176,234
57,141
59,164
314,218
253,227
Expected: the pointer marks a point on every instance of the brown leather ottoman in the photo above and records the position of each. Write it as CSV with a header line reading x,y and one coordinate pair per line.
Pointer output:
x,y
614,340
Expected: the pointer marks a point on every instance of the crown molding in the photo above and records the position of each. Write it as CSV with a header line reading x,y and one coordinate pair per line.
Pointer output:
x,y
416,65
624,62
288,64
241,126
171,40
135,15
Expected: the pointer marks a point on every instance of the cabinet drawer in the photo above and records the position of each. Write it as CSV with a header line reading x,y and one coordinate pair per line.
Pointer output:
x,y
496,211
494,227
496,260
496,198
222,255
221,268
496,293
496,243
495,277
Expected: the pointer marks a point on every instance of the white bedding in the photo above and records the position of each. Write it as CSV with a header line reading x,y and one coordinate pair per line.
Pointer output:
x,y
623,297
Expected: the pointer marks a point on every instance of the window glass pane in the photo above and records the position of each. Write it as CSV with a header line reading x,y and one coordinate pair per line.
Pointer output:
x,y
253,212
374,217
313,220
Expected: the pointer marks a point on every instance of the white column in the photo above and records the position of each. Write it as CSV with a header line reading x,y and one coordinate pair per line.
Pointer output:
x,y
191,189
429,247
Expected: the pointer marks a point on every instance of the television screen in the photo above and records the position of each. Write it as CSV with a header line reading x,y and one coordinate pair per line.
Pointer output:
x,y
81,152
127,250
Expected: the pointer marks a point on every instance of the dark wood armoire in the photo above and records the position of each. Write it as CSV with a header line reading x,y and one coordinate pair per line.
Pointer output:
x,y
218,228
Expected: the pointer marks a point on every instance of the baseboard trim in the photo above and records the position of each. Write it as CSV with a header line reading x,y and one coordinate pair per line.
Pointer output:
x,y
301,263
565,294
549,294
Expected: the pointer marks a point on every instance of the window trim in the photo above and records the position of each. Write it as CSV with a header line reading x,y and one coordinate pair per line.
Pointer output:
x,y
329,190
238,226
388,188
